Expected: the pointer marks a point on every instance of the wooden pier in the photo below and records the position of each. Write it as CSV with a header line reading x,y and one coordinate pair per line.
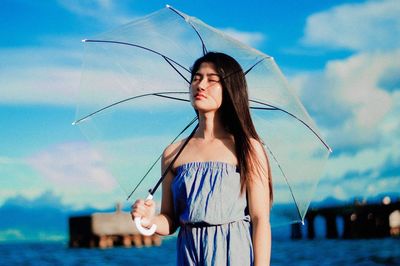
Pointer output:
x,y
104,230
359,220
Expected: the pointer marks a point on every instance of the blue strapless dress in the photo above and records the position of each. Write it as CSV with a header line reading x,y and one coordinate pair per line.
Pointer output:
x,y
215,226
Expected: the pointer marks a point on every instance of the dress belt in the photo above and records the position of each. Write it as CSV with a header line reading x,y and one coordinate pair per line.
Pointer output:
x,y
205,224
198,224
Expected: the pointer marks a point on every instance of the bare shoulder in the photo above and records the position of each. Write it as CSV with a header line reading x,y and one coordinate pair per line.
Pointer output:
x,y
171,150
258,149
260,155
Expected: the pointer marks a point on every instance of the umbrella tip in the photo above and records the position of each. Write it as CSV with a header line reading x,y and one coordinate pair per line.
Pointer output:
x,y
167,6
84,40
77,121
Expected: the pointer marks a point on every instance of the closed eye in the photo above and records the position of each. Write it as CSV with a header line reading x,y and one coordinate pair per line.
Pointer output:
x,y
214,78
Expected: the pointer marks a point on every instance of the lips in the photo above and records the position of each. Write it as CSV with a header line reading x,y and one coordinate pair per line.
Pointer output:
x,y
199,96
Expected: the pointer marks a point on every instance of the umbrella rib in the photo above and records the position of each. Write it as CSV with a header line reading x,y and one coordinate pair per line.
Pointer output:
x,y
292,115
138,46
248,70
193,27
166,59
259,61
128,99
264,108
169,97
154,189
286,180
152,166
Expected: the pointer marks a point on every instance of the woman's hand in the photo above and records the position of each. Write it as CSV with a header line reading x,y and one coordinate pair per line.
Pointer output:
x,y
145,209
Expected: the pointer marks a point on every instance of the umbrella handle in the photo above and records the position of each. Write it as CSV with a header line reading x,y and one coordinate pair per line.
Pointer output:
x,y
140,228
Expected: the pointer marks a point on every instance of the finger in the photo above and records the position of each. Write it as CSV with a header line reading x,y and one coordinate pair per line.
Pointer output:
x,y
138,202
149,203
138,214
142,210
138,207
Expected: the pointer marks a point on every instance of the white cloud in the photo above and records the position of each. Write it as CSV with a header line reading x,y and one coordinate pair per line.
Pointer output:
x,y
87,7
51,73
9,160
27,192
41,75
360,171
78,175
373,25
11,234
253,39
106,11
370,160
387,185
73,168
363,186
41,85
356,100
352,103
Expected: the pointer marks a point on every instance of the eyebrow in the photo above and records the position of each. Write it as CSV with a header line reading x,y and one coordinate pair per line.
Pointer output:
x,y
210,74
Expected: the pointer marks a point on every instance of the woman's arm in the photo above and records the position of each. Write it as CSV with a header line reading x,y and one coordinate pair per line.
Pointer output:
x,y
259,207
146,209
165,220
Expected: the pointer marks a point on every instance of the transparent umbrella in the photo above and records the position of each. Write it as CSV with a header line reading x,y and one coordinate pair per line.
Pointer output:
x,y
134,101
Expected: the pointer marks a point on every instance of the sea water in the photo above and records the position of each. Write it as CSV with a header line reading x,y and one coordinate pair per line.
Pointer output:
x,y
284,252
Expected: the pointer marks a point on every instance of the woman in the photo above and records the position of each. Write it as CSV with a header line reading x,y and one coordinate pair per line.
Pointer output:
x,y
218,190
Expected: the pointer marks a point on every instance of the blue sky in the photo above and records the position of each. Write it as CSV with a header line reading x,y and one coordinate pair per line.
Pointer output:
x,y
341,57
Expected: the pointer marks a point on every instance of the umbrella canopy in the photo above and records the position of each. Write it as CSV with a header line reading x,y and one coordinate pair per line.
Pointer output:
x,y
134,101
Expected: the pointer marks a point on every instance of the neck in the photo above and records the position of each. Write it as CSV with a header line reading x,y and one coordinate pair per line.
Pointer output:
x,y
210,126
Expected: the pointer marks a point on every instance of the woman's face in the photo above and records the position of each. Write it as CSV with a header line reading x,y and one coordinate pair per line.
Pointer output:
x,y
206,89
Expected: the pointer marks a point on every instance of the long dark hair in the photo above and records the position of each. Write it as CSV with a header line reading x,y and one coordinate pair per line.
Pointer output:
x,y
235,113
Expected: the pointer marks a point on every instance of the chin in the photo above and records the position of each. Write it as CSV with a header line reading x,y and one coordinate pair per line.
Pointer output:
x,y
203,107
206,110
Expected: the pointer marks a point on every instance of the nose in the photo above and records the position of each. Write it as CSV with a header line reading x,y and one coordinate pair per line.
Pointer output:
x,y
202,84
